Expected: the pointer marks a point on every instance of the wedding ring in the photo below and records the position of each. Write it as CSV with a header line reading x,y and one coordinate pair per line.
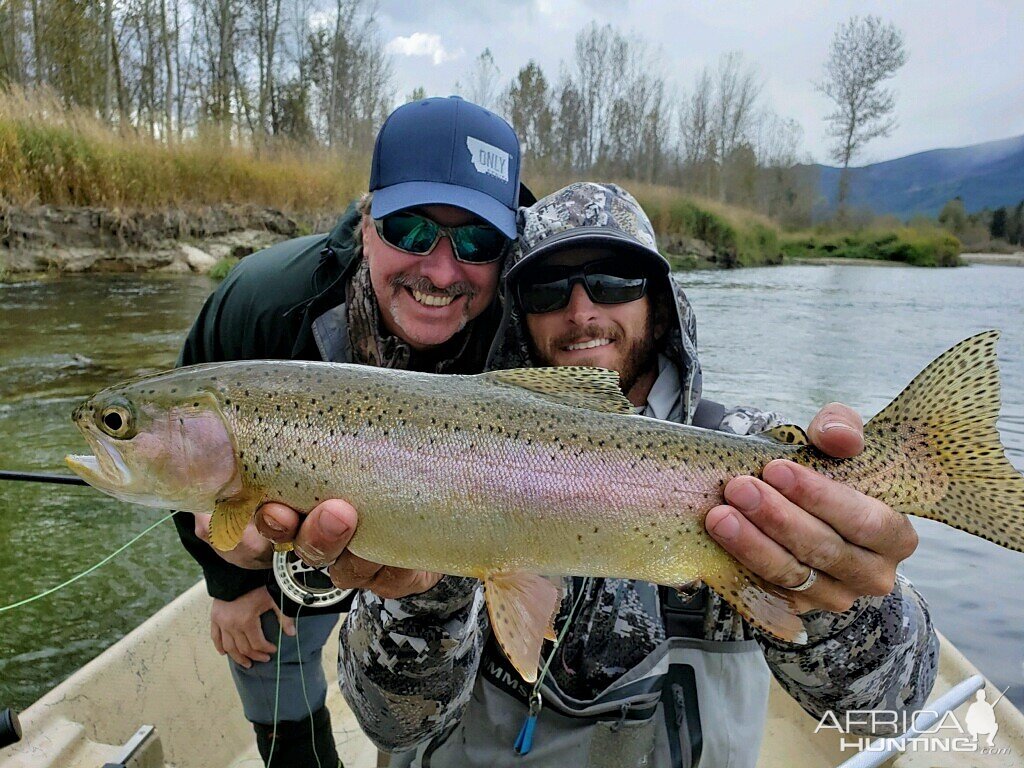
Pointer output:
x,y
807,583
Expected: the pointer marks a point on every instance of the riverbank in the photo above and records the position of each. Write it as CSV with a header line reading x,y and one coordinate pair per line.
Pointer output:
x,y
62,165
693,234
840,261
919,246
65,239
80,196
998,259
50,239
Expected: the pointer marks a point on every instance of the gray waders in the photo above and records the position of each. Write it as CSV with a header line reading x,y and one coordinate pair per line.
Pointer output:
x,y
690,702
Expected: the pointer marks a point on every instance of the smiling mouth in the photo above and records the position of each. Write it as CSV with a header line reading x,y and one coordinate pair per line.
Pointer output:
x,y
431,299
592,344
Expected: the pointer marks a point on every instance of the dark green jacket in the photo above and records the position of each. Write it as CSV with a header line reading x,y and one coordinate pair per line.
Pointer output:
x,y
263,310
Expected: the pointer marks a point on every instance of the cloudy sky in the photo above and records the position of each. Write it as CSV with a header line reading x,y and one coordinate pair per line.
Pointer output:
x,y
963,83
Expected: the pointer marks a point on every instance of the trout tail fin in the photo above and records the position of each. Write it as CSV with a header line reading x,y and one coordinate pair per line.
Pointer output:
x,y
939,437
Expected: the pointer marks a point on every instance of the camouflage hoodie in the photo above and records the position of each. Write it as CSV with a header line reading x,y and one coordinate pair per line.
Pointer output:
x,y
407,667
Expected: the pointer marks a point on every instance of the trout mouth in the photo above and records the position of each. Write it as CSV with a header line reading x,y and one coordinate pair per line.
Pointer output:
x,y
104,469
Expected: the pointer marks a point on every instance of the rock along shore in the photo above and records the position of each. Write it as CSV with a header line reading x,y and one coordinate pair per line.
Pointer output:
x,y
67,239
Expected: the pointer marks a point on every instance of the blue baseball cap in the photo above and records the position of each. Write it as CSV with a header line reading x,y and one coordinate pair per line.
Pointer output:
x,y
447,151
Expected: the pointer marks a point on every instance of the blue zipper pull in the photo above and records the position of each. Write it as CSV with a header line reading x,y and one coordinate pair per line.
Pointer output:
x,y
524,741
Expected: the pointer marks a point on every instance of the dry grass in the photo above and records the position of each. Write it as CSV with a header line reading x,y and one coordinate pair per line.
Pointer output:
x,y
52,155
58,156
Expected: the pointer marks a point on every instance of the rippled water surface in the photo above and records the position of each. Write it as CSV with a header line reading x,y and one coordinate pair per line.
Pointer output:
x,y
786,338
60,341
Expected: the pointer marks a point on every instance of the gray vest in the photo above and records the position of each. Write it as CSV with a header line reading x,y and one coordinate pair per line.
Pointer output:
x,y
690,702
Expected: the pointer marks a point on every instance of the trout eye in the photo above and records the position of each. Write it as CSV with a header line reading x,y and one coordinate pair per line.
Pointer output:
x,y
116,421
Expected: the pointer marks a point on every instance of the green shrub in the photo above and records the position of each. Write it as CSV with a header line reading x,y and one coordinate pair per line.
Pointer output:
x,y
221,269
919,246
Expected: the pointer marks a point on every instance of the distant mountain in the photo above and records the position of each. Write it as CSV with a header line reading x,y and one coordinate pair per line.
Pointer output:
x,y
985,175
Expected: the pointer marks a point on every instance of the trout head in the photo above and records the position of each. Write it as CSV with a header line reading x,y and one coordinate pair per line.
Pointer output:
x,y
159,442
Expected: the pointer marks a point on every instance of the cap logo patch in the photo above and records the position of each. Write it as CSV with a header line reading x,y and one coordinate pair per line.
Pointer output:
x,y
488,159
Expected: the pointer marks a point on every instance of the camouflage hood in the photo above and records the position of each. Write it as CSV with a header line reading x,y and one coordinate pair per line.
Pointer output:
x,y
594,214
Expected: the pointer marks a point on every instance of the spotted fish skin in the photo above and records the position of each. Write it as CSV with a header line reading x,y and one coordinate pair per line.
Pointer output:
x,y
481,478
547,471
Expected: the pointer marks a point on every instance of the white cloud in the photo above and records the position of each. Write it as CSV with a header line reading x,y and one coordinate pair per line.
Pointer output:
x,y
422,44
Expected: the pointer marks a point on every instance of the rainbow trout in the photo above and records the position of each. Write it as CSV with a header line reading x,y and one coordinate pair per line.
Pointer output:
x,y
512,475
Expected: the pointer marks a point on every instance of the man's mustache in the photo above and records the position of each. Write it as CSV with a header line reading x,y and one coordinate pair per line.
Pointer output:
x,y
587,332
424,285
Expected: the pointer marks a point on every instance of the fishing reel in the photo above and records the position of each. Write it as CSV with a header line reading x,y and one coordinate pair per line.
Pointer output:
x,y
308,586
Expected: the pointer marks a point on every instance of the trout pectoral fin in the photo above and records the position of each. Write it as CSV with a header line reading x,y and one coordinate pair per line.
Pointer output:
x,y
230,518
763,605
522,608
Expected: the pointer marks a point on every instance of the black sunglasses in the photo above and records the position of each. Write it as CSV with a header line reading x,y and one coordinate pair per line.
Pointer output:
x,y
610,281
412,233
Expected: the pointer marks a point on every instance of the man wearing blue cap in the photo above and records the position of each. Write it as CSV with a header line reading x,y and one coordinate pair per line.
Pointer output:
x,y
406,279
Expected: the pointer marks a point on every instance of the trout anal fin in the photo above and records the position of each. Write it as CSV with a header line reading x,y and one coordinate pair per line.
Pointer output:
x,y
522,608
764,606
230,519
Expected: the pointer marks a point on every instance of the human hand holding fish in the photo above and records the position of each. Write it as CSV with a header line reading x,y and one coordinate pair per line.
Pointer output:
x,y
253,552
321,538
793,519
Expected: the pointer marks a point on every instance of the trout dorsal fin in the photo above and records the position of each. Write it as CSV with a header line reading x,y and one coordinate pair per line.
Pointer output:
x,y
577,386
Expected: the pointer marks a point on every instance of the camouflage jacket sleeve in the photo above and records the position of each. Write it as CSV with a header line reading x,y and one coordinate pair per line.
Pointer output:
x,y
881,654
407,667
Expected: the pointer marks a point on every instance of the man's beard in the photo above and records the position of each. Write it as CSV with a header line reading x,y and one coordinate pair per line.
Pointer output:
x,y
638,358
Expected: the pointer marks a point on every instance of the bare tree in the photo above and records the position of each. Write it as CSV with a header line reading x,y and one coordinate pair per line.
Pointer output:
x,y
351,76
734,112
601,54
268,26
483,84
718,121
695,120
14,43
864,53
570,148
527,104
697,145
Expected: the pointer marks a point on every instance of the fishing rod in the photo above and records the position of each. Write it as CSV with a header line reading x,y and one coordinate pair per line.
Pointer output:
x,y
41,477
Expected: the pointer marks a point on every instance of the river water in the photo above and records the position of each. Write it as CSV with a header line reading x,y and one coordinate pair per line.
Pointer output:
x,y
784,338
